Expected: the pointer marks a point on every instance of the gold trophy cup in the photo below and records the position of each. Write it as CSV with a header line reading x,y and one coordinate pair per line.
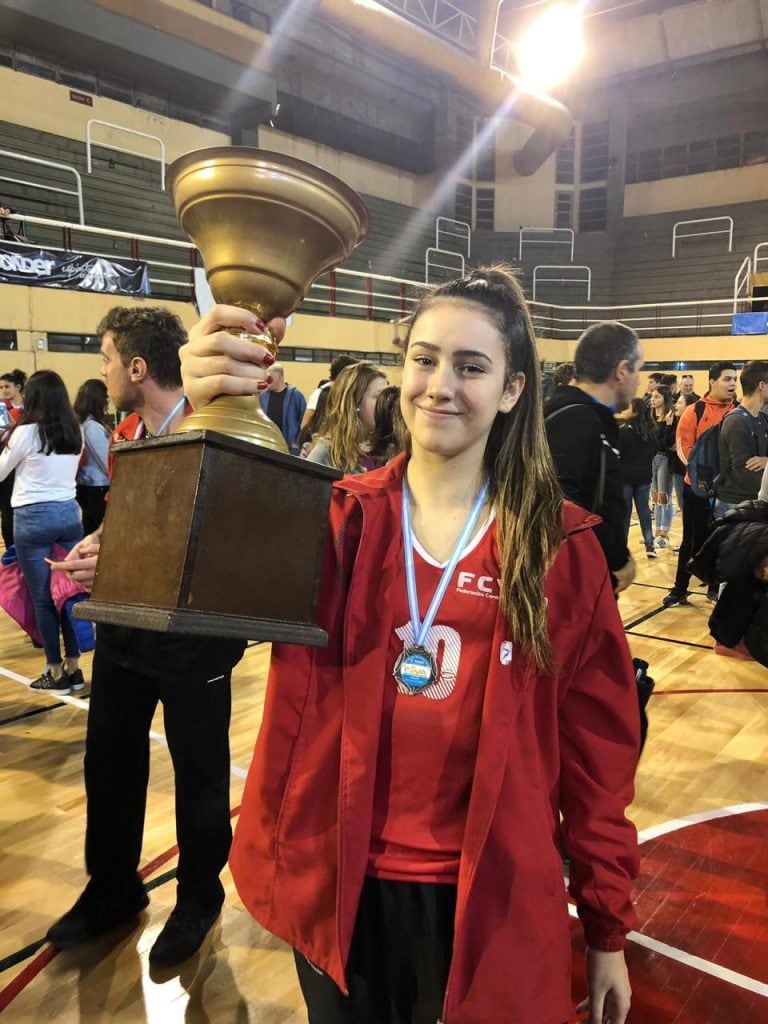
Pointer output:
x,y
216,529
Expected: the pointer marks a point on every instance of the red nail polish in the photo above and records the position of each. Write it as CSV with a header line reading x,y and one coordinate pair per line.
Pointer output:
x,y
260,325
269,378
268,359
263,385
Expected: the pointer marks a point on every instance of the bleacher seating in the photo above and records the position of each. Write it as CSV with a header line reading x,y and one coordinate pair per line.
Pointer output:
x,y
123,194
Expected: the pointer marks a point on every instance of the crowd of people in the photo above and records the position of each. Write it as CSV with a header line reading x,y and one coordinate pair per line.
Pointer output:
x,y
397,884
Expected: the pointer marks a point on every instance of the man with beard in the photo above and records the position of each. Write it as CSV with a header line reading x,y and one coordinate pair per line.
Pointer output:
x,y
133,670
583,434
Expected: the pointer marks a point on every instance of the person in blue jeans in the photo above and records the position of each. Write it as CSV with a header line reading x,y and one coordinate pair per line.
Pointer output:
x,y
44,449
663,418
637,447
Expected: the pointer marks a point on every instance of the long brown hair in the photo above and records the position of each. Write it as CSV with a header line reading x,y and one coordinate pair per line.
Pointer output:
x,y
521,475
342,426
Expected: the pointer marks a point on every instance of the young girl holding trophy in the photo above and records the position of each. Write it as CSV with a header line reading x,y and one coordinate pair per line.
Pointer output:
x,y
473,714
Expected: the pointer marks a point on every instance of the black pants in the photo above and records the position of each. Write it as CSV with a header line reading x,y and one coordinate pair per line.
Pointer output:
x,y
196,715
92,505
398,963
6,512
697,513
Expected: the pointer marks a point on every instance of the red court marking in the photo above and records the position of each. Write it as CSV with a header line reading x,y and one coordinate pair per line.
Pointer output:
x,y
667,992
703,889
44,957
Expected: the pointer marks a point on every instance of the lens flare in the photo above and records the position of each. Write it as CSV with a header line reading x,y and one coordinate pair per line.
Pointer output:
x,y
550,49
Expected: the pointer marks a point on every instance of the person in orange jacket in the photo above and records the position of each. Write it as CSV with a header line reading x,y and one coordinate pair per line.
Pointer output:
x,y
401,825
707,412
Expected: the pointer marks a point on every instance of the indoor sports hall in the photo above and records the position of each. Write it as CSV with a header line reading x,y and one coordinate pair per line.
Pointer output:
x,y
615,152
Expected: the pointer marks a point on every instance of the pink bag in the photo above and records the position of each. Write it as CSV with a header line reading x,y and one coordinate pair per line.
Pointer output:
x,y
16,600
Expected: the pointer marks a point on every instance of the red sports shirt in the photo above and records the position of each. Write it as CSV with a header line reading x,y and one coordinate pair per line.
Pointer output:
x,y
429,740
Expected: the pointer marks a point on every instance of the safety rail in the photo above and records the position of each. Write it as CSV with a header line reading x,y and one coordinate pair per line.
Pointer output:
x,y
562,280
134,241
430,263
569,241
453,229
119,149
701,234
48,188
743,277
380,297
757,258
654,319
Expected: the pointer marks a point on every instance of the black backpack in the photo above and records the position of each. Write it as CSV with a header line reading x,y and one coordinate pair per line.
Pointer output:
x,y
597,500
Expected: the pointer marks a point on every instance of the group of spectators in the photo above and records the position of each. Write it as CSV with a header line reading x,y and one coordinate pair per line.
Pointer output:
x,y
53,482
616,452
610,448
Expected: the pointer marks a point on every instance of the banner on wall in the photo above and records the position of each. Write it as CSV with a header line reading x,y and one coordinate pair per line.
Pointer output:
x,y
44,268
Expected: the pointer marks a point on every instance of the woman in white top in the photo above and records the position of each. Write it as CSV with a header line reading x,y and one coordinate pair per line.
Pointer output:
x,y
91,404
11,407
44,449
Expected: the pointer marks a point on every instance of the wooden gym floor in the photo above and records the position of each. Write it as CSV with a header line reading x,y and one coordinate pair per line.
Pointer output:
x,y
700,957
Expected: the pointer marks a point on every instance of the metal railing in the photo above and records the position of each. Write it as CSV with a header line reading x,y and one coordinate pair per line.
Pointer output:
x,y
569,241
434,260
648,319
676,235
354,293
584,279
453,229
119,149
133,243
442,17
757,258
741,280
48,188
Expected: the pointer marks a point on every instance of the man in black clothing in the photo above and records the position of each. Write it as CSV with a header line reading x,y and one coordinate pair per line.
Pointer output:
x,y
583,434
133,670
743,441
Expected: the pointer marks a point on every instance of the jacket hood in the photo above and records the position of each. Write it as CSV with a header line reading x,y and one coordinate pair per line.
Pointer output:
x,y
715,405
374,485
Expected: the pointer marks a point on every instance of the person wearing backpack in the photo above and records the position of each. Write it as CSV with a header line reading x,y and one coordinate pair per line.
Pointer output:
x,y
583,435
698,450
743,442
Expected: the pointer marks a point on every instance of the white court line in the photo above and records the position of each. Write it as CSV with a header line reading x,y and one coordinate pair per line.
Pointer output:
x,y
696,962
760,988
693,819
76,702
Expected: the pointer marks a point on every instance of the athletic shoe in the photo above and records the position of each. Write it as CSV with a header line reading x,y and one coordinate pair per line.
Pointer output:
x,y
96,912
662,542
674,598
55,687
182,936
650,553
713,593
76,679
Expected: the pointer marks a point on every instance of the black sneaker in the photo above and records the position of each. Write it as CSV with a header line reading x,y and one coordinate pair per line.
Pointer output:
x,y
713,593
47,684
182,936
76,679
96,913
674,598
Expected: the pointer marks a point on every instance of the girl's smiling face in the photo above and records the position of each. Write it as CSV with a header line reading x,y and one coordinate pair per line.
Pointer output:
x,y
455,379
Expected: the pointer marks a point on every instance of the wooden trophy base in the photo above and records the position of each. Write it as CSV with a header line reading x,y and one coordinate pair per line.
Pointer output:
x,y
207,534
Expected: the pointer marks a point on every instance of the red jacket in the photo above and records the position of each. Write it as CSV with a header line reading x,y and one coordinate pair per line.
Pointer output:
x,y
547,746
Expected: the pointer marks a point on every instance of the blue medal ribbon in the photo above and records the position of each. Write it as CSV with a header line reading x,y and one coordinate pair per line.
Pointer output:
x,y
415,668
170,417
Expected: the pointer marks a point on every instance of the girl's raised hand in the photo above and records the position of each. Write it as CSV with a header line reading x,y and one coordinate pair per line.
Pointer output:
x,y
215,362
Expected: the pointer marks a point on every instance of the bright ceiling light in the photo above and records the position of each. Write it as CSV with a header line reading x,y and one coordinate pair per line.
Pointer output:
x,y
551,47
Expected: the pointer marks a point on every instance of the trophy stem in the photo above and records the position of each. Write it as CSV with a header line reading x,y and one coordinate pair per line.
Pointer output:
x,y
237,416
